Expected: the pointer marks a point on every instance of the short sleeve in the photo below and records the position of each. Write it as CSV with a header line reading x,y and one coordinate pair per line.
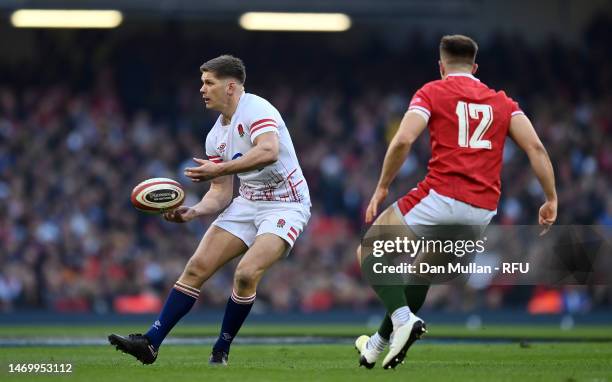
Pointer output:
x,y
515,109
211,151
262,119
421,104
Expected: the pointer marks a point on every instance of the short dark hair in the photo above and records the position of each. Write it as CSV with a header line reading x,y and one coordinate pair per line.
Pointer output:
x,y
225,66
458,49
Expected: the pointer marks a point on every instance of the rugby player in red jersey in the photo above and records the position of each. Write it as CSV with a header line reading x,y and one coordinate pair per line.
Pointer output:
x,y
468,124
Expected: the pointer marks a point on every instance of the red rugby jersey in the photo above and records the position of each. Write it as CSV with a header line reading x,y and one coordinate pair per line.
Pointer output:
x,y
468,124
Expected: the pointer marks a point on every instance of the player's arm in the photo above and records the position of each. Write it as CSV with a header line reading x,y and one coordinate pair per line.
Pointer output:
x,y
218,196
525,136
411,126
264,152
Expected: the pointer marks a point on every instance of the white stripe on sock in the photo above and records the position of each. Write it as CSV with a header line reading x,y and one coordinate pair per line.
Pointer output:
x,y
377,342
186,291
242,300
400,316
195,290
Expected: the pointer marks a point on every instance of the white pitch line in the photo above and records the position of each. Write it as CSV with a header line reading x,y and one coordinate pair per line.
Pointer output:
x,y
96,341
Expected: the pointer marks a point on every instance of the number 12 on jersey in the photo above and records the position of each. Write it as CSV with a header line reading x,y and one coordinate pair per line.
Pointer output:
x,y
465,111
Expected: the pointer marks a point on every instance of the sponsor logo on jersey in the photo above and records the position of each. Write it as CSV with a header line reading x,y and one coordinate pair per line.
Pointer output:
x,y
221,148
237,155
240,130
280,223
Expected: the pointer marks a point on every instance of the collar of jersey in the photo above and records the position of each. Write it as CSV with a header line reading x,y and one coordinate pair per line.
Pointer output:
x,y
235,112
468,75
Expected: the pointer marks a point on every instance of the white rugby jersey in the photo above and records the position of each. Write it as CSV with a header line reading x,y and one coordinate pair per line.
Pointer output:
x,y
280,181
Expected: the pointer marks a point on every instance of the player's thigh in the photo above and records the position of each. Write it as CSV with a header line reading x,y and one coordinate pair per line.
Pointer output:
x,y
267,249
387,226
216,248
282,219
389,217
239,220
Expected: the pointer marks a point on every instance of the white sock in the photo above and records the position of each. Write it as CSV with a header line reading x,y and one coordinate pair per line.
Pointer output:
x,y
377,342
400,316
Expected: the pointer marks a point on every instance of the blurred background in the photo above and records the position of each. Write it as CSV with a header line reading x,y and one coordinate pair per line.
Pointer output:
x,y
86,114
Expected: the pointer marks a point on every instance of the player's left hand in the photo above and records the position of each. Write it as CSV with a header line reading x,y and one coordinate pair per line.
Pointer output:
x,y
206,170
379,196
547,215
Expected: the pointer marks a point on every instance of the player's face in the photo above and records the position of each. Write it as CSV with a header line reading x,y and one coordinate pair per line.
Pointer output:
x,y
214,91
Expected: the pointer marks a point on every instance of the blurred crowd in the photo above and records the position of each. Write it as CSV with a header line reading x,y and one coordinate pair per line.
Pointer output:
x,y
70,155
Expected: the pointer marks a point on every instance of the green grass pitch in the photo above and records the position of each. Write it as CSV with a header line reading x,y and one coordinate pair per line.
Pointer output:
x,y
587,358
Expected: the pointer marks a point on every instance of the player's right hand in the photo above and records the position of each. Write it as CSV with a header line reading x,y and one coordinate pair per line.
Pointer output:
x,y
180,214
379,196
547,215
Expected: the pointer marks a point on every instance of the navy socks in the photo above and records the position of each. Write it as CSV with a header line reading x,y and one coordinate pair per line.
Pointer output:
x,y
236,311
179,302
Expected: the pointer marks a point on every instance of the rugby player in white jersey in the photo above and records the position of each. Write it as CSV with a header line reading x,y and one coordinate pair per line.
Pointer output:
x,y
249,139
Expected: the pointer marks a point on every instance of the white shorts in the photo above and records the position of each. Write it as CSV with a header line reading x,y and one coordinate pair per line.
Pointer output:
x,y
421,210
247,219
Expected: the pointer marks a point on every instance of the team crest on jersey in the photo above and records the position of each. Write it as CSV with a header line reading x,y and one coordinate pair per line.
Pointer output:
x,y
221,148
281,223
240,130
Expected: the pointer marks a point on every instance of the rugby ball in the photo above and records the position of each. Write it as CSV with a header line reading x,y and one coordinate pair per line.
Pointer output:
x,y
157,195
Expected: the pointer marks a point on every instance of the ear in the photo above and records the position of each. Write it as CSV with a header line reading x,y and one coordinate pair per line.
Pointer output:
x,y
230,88
474,68
442,69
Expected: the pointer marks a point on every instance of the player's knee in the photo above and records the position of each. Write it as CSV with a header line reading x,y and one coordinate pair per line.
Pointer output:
x,y
246,278
197,268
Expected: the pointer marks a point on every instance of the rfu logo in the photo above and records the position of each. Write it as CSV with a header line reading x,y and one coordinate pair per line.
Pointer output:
x,y
240,130
281,223
221,148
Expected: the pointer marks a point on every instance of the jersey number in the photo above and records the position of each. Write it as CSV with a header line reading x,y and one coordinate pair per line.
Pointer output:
x,y
475,111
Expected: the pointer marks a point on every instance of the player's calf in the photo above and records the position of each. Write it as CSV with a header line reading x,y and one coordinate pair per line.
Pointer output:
x,y
237,309
266,250
181,299
236,312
